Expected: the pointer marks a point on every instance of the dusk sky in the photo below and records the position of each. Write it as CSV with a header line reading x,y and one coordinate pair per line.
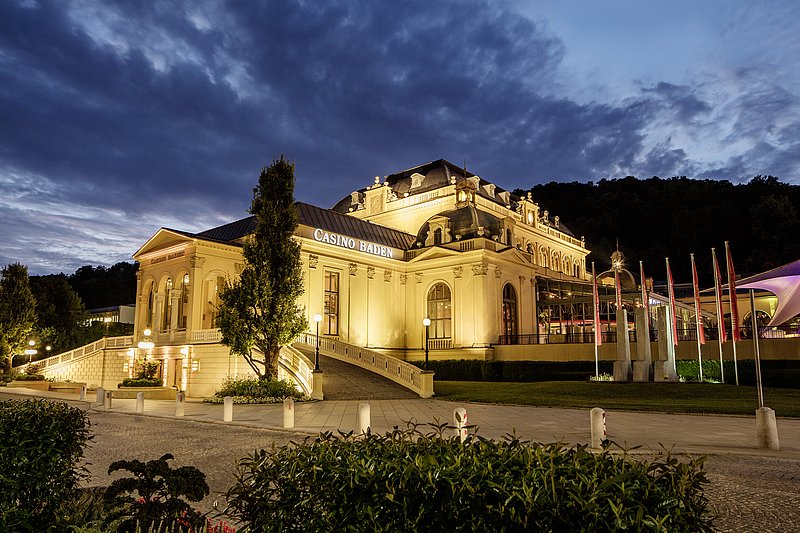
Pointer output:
x,y
120,117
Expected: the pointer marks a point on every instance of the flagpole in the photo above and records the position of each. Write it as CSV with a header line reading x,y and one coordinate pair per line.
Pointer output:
x,y
734,304
596,320
720,314
754,322
698,317
674,328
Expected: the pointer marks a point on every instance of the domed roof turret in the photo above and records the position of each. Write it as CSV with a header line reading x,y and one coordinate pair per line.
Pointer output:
x,y
463,223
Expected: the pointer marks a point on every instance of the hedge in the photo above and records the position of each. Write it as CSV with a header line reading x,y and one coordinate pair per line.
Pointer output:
x,y
774,373
519,371
410,481
41,446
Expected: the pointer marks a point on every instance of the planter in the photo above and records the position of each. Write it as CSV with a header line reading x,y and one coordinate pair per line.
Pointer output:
x,y
35,385
150,393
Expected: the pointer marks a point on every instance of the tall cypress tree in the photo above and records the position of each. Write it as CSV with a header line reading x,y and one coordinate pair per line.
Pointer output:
x,y
259,310
17,312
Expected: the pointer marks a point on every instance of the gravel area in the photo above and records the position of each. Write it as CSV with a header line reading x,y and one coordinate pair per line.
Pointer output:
x,y
749,493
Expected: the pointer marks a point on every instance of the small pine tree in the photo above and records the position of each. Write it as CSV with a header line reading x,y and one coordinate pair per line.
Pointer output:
x,y
259,310
17,312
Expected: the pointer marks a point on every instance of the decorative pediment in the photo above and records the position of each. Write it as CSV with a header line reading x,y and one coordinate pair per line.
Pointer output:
x,y
434,253
163,239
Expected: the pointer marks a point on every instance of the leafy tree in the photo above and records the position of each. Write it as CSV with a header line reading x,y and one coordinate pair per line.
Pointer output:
x,y
17,311
60,314
259,310
105,286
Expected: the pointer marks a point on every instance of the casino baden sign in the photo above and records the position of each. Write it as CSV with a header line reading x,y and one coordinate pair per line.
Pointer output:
x,y
351,243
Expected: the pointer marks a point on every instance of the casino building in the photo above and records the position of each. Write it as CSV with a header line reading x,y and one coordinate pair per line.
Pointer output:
x,y
432,241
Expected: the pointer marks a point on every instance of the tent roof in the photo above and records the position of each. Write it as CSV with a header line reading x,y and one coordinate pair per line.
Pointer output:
x,y
783,282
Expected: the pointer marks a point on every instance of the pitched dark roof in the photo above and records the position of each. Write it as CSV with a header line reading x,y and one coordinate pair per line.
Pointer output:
x,y
317,217
311,215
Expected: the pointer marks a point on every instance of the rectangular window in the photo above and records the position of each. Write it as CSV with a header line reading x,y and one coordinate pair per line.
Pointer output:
x,y
331,317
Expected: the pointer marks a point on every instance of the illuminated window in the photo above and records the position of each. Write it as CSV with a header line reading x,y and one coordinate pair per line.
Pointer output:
x,y
167,314
331,325
150,298
183,303
439,311
509,310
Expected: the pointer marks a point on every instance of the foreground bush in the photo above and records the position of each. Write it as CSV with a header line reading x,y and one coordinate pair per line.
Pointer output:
x,y
41,445
409,481
253,390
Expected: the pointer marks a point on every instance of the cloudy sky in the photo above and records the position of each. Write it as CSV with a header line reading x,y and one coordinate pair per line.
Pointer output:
x,y
119,117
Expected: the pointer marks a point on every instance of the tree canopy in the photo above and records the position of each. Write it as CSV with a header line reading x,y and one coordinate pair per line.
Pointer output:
x,y
17,312
259,310
656,218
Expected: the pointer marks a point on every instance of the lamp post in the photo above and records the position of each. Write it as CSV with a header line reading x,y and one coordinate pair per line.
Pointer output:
x,y
427,323
106,321
146,343
31,351
317,319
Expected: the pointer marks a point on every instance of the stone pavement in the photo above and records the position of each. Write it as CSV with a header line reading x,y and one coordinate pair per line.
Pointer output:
x,y
653,432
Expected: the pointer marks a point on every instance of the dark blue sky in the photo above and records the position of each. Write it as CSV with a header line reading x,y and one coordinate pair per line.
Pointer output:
x,y
117,118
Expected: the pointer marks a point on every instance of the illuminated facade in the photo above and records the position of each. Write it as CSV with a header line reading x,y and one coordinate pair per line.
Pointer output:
x,y
433,241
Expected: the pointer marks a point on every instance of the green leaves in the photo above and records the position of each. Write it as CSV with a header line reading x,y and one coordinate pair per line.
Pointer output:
x,y
41,445
414,481
259,310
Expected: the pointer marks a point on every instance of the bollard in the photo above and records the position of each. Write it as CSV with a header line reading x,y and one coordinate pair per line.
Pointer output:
x,y
101,396
83,393
598,421
362,420
140,402
107,400
767,429
460,423
288,413
227,410
180,404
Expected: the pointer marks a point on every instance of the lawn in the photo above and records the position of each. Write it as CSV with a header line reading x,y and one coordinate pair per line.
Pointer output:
x,y
665,397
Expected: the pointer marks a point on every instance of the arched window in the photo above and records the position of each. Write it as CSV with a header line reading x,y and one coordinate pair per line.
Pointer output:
x,y
148,321
437,236
166,323
439,311
183,302
509,240
509,310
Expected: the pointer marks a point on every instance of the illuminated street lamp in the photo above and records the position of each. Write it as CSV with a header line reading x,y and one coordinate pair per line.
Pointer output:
x,y
106,321
317,319
30,352
427,323
146,343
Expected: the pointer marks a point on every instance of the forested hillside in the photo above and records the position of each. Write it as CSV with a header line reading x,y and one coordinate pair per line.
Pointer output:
x,y
657,218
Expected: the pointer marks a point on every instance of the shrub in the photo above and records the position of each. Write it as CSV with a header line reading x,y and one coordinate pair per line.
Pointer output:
x,y
410,481
253,390
154,499
774,373
146,369
141,382
518,371
33,369
41,445
28,377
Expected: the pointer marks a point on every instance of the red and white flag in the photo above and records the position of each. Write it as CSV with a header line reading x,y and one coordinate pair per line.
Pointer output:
x,y
671,293
598,337
736,335
723,333
701,335
645,298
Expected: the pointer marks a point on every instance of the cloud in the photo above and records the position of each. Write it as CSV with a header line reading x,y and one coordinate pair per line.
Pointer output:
x,y
142,114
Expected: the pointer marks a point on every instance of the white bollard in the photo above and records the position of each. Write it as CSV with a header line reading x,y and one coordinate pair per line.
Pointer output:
x,y
767,429
460,423
83,393
227,410
288,413
107,400
140,402
362,420
180,404
101,396
598,421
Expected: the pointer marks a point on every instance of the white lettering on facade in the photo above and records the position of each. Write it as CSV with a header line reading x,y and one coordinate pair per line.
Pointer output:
x,y
350,243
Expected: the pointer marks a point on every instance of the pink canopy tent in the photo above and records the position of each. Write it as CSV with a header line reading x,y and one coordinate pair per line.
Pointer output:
x,y
784,283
